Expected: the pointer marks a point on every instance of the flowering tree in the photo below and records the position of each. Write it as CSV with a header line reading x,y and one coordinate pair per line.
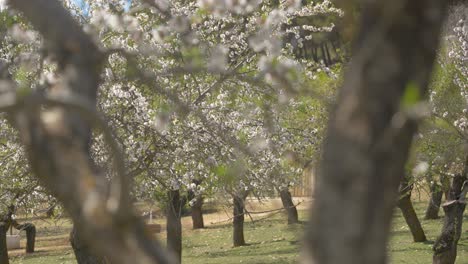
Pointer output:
x,y
198,92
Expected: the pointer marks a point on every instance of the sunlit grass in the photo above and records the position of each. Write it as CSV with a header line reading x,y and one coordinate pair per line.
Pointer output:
x,y
270,241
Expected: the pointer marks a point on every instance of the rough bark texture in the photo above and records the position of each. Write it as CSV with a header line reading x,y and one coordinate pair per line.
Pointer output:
x,y
445,246
83,253
174,224
197,213
433,208
238,220
368,137
58,148
3,243
289,206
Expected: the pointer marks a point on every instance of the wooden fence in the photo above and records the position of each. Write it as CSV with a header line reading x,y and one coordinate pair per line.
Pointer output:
x,y
305,186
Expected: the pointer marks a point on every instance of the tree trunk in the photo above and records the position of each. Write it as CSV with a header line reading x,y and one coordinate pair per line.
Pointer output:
x,y
368,137
197,213
238,221
432,211
445,246
406,207
173,224
3,243
289,206
82,250
30,230
50,212
58,151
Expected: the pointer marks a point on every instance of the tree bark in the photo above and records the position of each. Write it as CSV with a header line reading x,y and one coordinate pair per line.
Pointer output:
x,y
432,211
82,250
174,224
238,220
3,243
58,149
30,230
50,212
445,246
197,213
406,207
369,136
289,206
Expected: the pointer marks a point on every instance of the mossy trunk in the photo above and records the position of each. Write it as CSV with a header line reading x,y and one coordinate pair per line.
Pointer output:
x,y
173,224
3,243
289,206
432,211
82,250
238,220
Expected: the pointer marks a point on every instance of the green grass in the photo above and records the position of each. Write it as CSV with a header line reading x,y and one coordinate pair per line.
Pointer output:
x,y
272,241
404,250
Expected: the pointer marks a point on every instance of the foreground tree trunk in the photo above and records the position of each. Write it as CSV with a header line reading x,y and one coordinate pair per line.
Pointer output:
x,y
238,220
369,134
82,250
58,148
432,211
174,224
197,213
289,206
3,243
445,246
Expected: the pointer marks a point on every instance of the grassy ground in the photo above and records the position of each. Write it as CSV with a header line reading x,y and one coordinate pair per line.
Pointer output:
x,y
270,241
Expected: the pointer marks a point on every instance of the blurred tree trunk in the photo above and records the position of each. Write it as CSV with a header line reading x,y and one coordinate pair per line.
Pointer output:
x,y
371,130
432,211
289,206
50,212
174,224
82,250
3,243
58,149
445,246
238,219
197,213
407,209
30,230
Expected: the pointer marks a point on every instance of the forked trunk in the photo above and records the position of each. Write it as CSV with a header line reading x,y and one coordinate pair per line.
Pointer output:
x,y
289,206
173,224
